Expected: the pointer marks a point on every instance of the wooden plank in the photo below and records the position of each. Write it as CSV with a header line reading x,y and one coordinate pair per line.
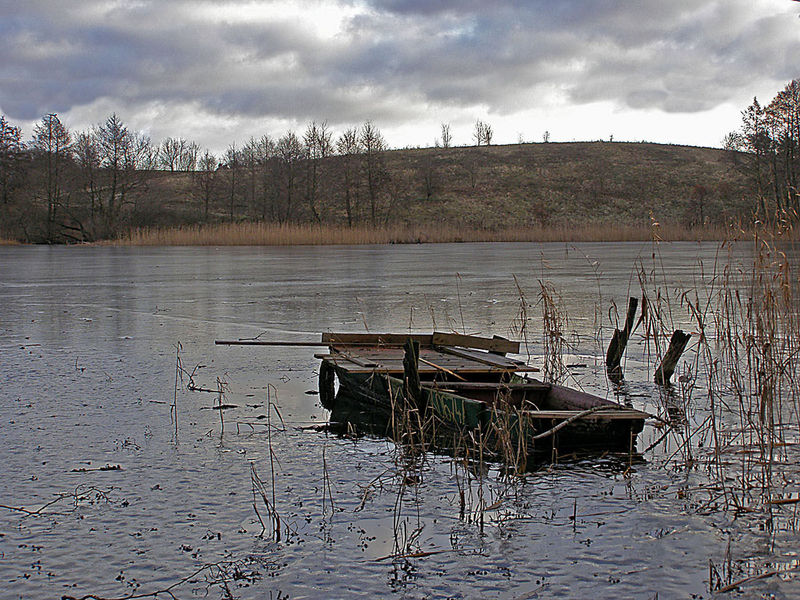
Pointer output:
x,y
473,341
486,385
377,339
441,368
357,360
437,339
611,413
265,343
452,361
396,367
485,358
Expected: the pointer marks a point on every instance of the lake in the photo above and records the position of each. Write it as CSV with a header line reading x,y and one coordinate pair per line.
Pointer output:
x,y
104,494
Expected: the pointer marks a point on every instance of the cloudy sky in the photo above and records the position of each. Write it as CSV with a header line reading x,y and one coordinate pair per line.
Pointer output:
x,y
677,71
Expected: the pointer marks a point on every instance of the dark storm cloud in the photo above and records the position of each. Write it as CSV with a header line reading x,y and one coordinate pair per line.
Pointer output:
x,y
391,57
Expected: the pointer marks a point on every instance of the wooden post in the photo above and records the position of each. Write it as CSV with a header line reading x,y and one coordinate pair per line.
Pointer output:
x,y
619,341
412,389
677,344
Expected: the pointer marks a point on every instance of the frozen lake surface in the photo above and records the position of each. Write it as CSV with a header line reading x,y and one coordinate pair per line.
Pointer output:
x,y
101,496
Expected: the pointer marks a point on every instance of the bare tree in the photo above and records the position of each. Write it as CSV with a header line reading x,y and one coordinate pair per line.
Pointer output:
x,y
482,133
430,176
232,161
169,153
373,145
318,145
349,147
447,138
52,142
289,151
124,156
266,163
732,141
546,136
252,172
87,156
189,156
205,180
11,148
487,134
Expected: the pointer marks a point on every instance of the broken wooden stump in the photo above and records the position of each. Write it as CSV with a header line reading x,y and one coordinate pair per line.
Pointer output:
x,y
412,388
619,341
677,344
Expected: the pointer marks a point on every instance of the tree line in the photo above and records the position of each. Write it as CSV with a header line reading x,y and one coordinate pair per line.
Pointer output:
x,y
70,186
63,186
769,137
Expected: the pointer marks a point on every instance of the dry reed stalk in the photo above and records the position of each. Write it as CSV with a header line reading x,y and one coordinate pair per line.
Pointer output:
x,y
519,325
746,366
270,234
259,490
220,394
326,484
408,429
555,322
173,410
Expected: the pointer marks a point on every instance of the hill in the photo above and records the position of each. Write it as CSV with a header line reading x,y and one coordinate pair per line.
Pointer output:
x,y
577,183
497,186
486,187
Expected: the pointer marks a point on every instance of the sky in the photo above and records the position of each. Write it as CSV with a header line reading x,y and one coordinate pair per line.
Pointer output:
x,y
218,72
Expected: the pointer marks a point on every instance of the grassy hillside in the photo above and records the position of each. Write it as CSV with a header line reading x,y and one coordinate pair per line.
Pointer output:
x,y
515,185
576,183
490,188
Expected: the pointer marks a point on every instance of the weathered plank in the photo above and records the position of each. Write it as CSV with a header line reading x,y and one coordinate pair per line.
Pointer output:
x,y
472,341
487,385
412,390
395,367
376,339
485,358
265,343
601,413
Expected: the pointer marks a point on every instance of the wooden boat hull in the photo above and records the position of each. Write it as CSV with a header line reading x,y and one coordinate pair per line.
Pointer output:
x,y
613,429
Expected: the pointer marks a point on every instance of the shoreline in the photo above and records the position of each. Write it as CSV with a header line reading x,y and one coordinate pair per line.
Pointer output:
x,y
264,234
260,234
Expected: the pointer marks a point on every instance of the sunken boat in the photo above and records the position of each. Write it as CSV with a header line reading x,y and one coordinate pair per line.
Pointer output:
x,y
470,384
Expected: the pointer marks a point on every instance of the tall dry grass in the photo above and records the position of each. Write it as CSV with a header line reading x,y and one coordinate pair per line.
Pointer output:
x,y
736,401
264,234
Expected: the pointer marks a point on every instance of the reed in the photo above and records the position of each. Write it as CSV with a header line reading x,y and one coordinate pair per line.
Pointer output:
x,y
735,410
268,234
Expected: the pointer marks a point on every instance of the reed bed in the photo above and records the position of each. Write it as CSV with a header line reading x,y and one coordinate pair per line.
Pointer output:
x,y
735,409
267,234
739,394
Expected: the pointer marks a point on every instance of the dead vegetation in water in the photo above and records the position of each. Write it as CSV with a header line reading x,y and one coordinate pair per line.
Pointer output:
x,y
735,409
